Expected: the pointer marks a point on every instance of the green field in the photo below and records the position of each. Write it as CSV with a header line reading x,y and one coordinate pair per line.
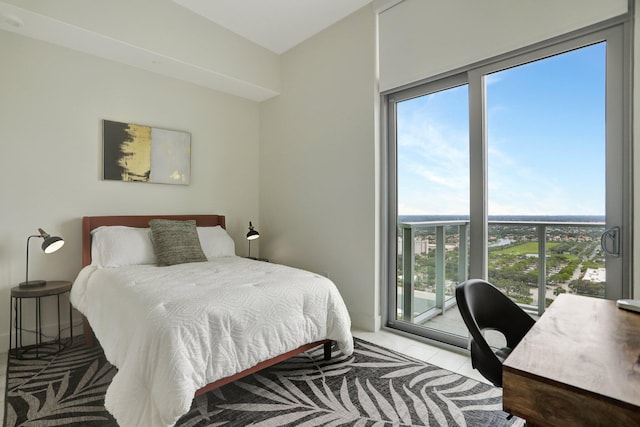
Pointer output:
x,y
523,249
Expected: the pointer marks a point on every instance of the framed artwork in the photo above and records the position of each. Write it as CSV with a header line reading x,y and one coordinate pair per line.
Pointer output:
x,y
145,154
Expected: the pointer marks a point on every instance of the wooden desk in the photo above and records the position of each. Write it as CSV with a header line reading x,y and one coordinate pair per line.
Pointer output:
x,y
578,366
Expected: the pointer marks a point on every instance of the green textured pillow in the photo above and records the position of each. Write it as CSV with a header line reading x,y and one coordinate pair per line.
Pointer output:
x,y
176,242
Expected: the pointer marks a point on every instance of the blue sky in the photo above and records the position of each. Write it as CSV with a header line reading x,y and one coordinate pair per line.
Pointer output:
x,y
546,133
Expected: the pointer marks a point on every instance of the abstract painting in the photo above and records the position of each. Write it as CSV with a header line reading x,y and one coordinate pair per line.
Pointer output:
x,y
146,154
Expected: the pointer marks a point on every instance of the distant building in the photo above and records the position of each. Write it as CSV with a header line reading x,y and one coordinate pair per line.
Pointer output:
x,y
595,275
421,246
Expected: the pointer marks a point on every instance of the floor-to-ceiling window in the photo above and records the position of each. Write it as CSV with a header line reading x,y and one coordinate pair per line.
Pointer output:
x,y
516,170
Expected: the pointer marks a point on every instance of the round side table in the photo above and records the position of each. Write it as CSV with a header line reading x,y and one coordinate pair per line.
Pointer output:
x,y
52,288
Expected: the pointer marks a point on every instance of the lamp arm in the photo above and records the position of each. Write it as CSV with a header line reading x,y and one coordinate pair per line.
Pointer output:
x,y
27,270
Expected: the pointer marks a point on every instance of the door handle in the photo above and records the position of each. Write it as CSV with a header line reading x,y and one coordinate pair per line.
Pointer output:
x,y
610,241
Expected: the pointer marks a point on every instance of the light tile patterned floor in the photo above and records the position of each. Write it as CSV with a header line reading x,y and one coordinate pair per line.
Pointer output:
x,y
455,361
435,355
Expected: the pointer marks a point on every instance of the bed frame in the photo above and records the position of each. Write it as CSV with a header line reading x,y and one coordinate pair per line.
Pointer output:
x,y
91,222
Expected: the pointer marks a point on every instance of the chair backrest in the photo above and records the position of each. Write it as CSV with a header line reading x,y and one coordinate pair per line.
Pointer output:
x,y
483,306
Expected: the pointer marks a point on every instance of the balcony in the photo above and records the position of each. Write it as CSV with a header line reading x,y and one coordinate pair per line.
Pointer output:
x,y
531,261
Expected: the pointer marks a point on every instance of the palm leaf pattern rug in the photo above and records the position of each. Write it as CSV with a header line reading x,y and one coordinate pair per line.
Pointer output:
x,y
373,387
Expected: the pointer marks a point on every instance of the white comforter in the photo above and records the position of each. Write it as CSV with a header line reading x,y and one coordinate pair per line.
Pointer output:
x,y
172,330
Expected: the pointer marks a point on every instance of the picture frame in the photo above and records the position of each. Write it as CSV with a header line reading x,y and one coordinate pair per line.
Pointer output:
x,y
139,153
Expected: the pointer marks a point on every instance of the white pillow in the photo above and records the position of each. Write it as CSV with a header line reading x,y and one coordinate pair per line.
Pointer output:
x,y
118,246
215,242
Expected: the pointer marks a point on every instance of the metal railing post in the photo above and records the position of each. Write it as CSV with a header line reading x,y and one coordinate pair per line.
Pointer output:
x,y
541,230
408,262
440,266
463,266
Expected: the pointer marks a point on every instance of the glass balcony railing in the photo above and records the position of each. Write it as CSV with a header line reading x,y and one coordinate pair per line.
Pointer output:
x,y
428,252
530,261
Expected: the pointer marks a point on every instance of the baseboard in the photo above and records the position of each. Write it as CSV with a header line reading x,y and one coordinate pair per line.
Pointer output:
x,y
49,333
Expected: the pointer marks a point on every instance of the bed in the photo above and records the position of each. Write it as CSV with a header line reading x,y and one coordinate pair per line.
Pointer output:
x,y
175,332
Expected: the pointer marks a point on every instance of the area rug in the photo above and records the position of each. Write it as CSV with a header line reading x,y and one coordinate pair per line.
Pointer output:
x,y
373,387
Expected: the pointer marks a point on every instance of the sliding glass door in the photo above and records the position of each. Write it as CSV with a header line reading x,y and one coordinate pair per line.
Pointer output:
x,y
515,171
546,139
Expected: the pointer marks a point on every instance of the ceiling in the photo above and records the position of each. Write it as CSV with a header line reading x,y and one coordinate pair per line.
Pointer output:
x,y
277,25
230,46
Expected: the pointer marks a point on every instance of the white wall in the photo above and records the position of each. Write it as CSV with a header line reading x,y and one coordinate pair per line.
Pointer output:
x,y
420,39
52,101
317,165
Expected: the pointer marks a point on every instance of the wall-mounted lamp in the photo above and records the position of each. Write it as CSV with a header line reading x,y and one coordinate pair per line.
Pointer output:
x,y
50,245
251,235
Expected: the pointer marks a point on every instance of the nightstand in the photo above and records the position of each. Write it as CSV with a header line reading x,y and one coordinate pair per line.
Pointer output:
x,y
52,288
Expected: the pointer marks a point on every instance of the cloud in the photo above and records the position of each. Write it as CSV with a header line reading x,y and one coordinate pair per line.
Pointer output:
x,y
433,161
493,78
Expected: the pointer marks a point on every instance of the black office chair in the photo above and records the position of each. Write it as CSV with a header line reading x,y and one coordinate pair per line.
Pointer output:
x,y
484,307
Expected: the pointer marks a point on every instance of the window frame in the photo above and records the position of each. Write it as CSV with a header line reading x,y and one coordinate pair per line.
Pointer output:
x,y
618,127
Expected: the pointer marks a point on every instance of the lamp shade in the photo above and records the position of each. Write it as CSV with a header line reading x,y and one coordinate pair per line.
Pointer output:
x,y
253,233
52,244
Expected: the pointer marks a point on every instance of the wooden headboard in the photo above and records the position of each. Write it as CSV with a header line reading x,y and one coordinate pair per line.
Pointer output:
x,y
141,221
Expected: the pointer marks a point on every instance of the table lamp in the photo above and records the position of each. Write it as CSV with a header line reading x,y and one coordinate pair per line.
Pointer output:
x,y
251,235
50,245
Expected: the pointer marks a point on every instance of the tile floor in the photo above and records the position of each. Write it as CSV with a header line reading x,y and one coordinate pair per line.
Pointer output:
x,y
436,355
